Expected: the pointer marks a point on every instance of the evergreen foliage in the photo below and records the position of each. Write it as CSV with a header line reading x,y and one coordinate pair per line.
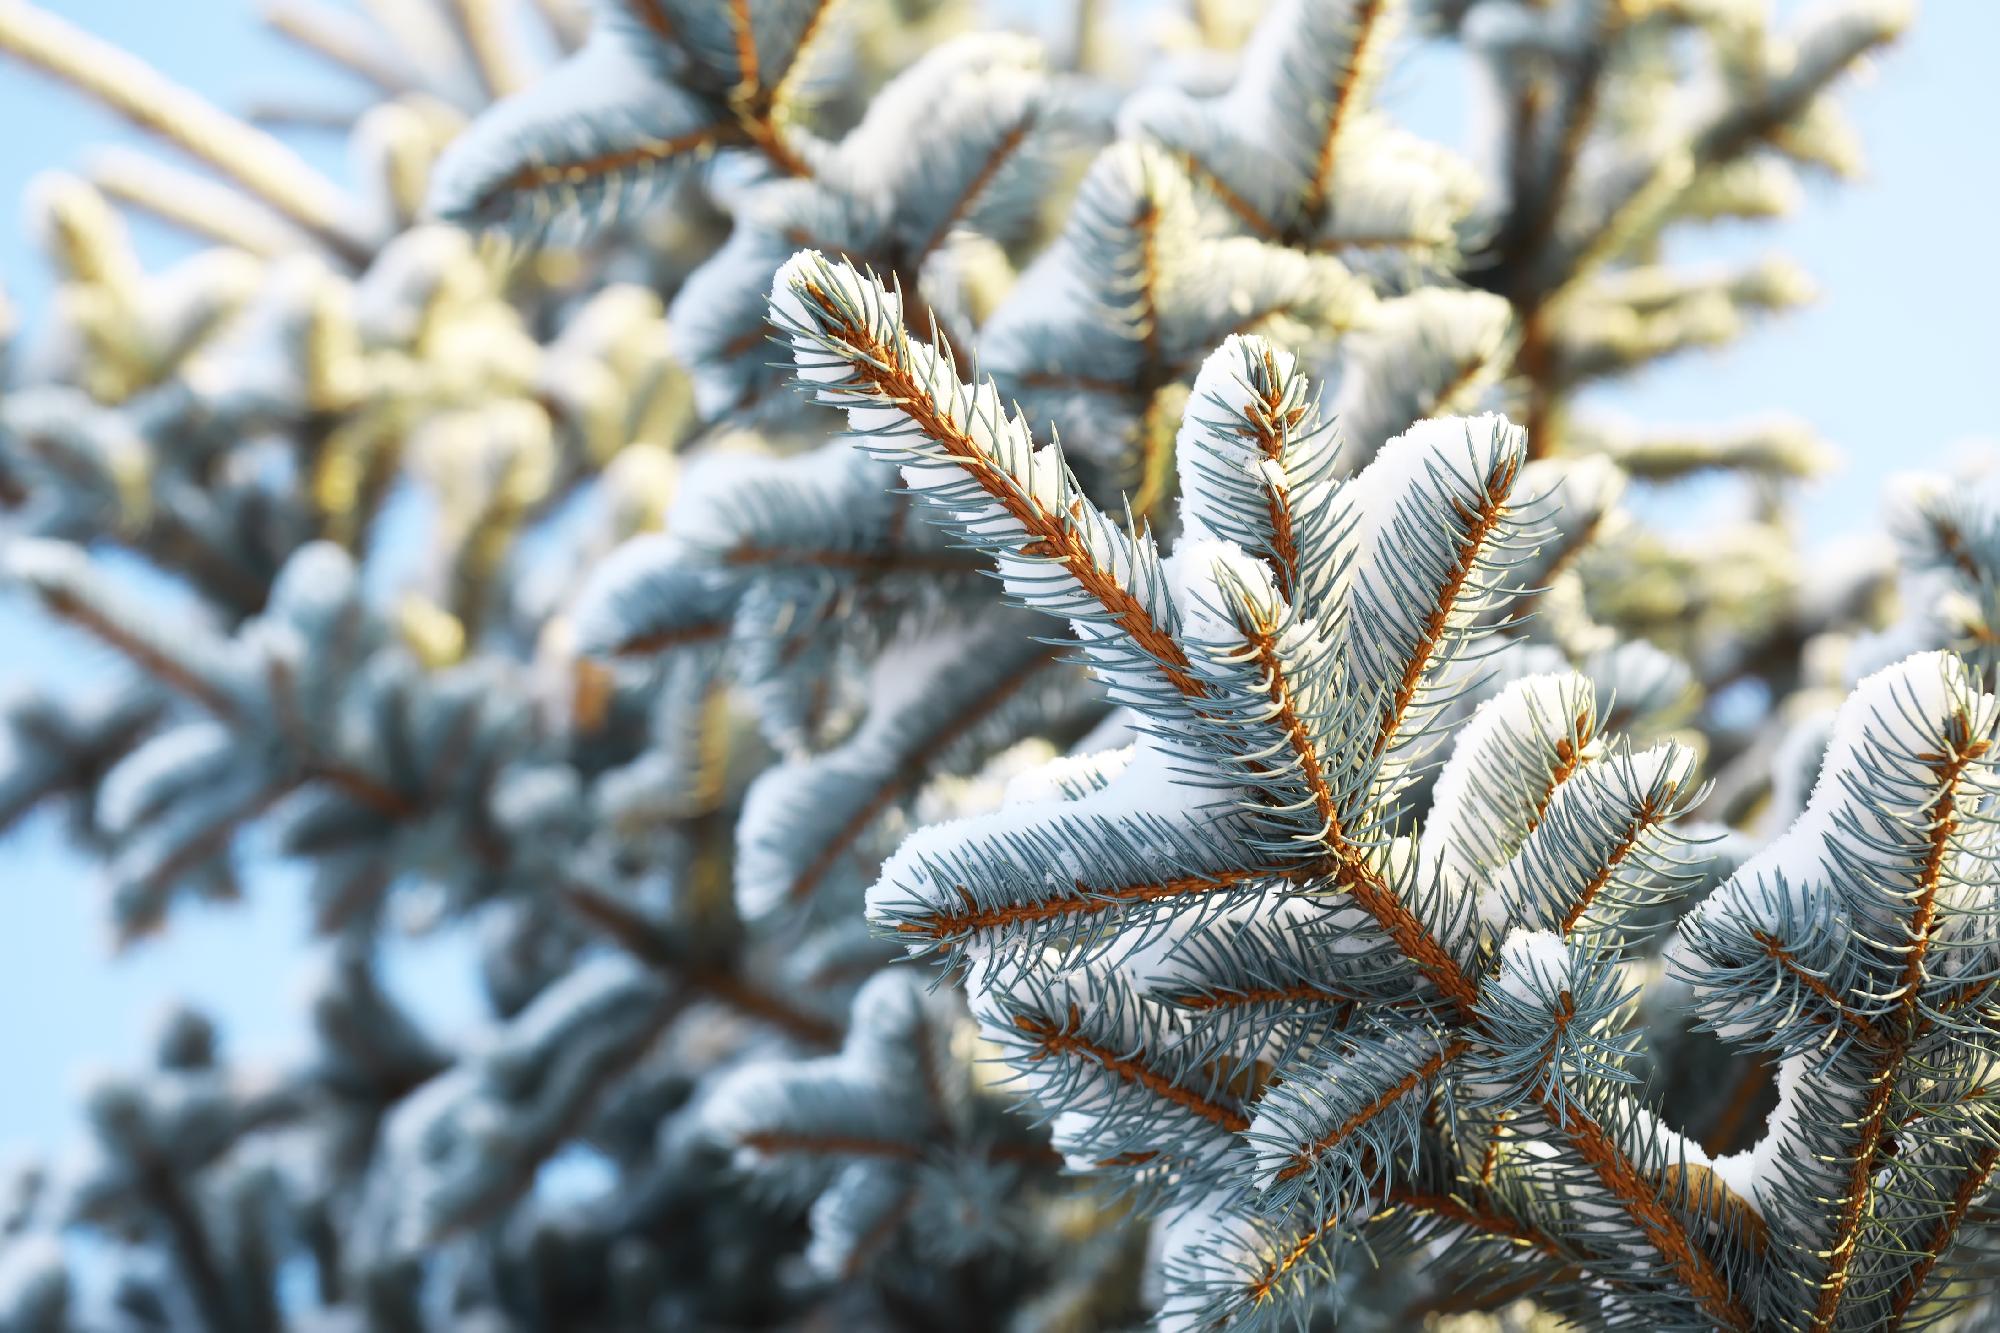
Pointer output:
x,y
737,493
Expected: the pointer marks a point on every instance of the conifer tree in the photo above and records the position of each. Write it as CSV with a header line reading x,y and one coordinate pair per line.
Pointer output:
x,y
737,493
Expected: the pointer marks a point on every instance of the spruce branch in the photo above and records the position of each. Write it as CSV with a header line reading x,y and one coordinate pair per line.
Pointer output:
x,y
1325,882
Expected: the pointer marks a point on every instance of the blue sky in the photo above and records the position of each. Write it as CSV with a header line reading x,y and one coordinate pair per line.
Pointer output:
x,y
1892,364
